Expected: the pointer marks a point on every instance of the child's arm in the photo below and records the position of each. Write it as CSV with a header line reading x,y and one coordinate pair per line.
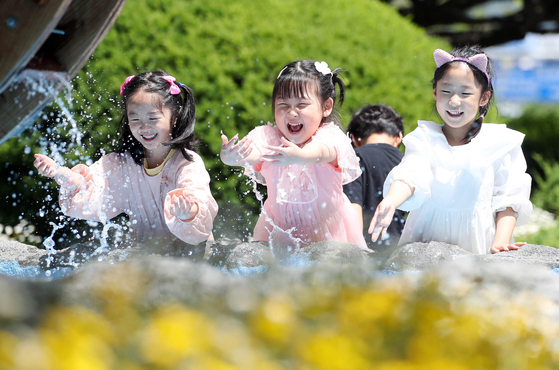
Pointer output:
x,y
398,193
235,153
312,153
359,211
504,226
65,177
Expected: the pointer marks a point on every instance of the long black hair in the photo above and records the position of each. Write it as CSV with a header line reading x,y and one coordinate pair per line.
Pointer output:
x,y
484,81
183,114
296,78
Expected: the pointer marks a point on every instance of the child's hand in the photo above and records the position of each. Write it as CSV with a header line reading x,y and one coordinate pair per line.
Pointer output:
x,y
182,207
496,248
233,153
46,166
382,219
285,155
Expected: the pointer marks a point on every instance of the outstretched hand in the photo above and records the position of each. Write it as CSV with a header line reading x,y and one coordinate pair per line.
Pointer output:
x,y
234,152
181,206
496,248
46,166
381,220
285,155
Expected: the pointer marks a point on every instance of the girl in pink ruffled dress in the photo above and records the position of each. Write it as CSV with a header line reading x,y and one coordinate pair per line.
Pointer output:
x,y
465,183
303,160
155,177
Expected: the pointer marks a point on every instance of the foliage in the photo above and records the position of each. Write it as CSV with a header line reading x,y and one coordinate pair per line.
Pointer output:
x,y
476,22
549,237
230,54
546,195
317,321
539,123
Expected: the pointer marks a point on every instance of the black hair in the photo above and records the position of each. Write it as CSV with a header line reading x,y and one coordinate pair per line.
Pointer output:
x,y
183,114
296,78
468,52
375,119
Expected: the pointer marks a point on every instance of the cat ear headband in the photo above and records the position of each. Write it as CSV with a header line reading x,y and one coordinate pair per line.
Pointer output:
x,y
479,61
174,90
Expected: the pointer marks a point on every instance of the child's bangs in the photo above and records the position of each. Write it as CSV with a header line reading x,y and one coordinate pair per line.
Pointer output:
x,y
295,87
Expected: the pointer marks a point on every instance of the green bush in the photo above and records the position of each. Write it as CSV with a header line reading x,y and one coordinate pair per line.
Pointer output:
x,y
230,54
546,195
539,123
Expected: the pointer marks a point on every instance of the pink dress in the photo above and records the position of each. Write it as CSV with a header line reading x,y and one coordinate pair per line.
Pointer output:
x,y
306,204
116,184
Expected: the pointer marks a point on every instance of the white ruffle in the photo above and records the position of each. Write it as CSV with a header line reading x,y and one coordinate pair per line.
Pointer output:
x,y
462,187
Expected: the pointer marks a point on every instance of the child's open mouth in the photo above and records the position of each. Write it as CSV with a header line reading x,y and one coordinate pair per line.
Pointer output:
x,y
149,137
294,127
454,114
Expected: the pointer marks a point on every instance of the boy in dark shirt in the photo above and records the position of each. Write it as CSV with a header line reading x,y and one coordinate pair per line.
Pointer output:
x,y
376,132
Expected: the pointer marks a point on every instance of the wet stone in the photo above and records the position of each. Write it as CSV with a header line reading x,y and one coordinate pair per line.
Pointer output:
x,y
251,254
334,252
418,256
25,255
81,253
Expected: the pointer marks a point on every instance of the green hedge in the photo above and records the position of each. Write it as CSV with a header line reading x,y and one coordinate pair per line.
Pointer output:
x,y
230,54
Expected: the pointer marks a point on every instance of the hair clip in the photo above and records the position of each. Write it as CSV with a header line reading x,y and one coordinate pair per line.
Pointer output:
x,y
174,90
284,68
322,67
128,79
479,61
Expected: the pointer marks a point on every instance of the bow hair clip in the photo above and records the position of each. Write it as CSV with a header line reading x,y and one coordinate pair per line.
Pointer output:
x,y
175,89
479,61
322,67
128,79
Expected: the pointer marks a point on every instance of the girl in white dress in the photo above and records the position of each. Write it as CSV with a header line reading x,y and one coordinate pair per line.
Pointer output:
x,y
465,183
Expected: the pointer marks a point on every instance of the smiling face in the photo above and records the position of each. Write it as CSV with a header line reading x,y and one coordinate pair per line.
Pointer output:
x,y
298,118
458,97
150,124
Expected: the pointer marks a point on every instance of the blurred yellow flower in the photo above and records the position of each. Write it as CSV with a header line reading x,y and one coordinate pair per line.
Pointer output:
x,y
174,333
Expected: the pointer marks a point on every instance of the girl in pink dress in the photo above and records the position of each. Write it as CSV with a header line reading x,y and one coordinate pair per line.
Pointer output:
x,y
304,160
155,177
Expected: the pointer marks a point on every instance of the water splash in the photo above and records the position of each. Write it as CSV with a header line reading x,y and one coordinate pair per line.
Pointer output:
x,y
49,243
47,83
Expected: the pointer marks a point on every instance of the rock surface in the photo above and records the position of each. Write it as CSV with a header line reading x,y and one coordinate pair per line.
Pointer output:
x,y
235,254
419,256
25,255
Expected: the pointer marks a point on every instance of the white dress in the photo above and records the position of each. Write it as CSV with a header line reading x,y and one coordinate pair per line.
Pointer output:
x,y
459,189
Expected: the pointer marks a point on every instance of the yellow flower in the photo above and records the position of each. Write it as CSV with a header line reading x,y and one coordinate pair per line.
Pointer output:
x,y
275,320
76,338
175,333
8,344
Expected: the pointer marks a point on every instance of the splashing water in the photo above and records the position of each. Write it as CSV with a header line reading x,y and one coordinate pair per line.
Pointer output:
x,y
45,83
49,243
275,228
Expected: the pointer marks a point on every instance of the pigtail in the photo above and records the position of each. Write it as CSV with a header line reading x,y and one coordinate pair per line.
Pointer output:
x,y
476,126
336,80
185,122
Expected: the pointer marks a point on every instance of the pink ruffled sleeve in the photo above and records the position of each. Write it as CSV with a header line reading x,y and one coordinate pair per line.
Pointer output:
x,y
195,181
261,136
96,200
348,162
